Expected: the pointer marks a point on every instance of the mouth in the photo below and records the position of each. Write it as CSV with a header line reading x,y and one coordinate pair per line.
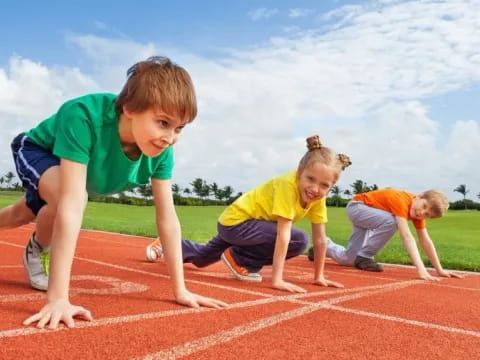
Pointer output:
x,y
310,196
159,148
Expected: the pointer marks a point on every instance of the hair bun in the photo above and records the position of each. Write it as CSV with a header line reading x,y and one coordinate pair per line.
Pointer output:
x,y
344,161
314,143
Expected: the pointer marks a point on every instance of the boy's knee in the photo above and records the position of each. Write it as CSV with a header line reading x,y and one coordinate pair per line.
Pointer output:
x,y
390,224
21,214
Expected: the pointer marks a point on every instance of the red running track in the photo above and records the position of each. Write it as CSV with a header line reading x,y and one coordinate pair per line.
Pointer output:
x,y
388,315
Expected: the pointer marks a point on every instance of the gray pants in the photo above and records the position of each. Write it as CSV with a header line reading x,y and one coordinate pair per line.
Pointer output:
x,y
372,228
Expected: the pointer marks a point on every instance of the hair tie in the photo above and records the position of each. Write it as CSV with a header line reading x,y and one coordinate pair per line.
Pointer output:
x,y
314,143
344,160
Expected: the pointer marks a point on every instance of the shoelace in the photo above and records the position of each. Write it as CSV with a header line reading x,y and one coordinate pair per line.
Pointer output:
x,y
45,261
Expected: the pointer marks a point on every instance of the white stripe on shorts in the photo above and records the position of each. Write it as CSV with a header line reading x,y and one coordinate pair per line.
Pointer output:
x,y
20,156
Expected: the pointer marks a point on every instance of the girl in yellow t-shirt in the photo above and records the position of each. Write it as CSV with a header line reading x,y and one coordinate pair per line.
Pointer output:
x,y
256,230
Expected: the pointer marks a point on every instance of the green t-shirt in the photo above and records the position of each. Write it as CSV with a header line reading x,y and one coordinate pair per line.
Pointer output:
x,y
85,130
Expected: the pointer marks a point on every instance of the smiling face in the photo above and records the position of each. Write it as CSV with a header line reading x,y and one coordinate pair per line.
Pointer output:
x,y
315,181
420,209
154,130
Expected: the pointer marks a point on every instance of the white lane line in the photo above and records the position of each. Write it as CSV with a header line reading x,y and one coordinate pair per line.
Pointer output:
x,y
227,335
206,342
405,321
166,313
125,268
10,266
125,242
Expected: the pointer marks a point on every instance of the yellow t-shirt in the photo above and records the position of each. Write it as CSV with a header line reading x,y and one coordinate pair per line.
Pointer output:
x,y
276,197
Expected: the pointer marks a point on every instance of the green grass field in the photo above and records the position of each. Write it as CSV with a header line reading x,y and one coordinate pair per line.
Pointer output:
x,y
456,236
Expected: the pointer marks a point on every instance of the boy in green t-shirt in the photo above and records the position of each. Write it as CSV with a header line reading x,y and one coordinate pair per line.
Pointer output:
x,y
104,144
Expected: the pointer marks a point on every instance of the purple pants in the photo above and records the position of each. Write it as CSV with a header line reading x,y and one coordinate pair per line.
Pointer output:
x,y
252,245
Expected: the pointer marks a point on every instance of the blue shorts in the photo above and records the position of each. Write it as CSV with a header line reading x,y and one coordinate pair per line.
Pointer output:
x,y
31,162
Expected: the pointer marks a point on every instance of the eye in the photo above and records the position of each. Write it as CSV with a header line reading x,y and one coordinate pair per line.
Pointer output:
x,y
162,123
179,129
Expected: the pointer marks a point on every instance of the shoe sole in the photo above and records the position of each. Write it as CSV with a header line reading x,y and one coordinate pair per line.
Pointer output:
x,y
152,254
371,269
236,274
32,284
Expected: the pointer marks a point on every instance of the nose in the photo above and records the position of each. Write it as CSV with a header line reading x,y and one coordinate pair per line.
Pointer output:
x,y
169,137
318,191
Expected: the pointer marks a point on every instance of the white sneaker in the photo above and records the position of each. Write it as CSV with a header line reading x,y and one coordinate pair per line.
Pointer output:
x,y
36,261
154,250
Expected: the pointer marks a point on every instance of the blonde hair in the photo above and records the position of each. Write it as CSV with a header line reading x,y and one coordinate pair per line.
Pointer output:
x,y
437,201
158,83
319,153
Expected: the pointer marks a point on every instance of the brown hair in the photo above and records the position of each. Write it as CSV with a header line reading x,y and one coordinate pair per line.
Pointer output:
x,y
318,152
437,201
159,83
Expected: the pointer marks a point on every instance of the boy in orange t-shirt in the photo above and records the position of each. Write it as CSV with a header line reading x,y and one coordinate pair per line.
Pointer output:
x,y
377,215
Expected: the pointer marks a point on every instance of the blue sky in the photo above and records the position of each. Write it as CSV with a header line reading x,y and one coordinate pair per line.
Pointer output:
x,y
38,28
394,84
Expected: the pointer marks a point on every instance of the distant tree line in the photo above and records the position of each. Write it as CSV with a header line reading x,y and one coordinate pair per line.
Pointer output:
x,y
202,193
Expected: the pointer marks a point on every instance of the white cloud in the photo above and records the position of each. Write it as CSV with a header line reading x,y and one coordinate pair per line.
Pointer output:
x,y
30,92
362,86
261,13
298,12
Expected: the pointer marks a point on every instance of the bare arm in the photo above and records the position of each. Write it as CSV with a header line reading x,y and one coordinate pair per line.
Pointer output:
x,y
284,228
169,232
412,249
319,239
429,248
68,219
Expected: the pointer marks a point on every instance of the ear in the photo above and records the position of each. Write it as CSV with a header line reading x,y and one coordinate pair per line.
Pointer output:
x,y
126,111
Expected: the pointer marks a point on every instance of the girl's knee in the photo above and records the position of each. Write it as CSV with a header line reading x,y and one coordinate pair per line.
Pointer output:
x,y
299,240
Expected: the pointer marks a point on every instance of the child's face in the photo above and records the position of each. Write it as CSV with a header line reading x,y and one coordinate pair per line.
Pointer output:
x,y
154,130
315,182
420,209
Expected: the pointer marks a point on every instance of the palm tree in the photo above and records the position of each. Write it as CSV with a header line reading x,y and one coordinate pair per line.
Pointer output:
x,y
359,187
373,187
176,189
462,189
8,178
227,192
197,186
214,189
336,191
145,191
347,193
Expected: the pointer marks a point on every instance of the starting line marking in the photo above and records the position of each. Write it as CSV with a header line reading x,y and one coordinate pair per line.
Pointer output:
x,y
117,287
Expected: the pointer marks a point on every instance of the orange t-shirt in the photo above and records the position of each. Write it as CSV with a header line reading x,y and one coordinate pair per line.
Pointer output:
x,y
397,202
